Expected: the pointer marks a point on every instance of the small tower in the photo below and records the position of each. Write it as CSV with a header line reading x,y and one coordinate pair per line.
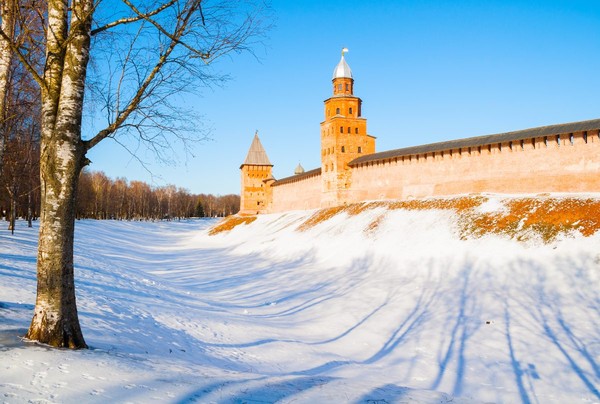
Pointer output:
x,y
257,177
343,136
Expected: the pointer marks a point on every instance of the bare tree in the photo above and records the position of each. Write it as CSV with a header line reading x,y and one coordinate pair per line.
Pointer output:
x,y
8,15
19,115
119,198
21,162
160,47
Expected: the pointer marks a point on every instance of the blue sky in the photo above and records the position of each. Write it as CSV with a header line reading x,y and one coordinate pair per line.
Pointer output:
x,y
426,71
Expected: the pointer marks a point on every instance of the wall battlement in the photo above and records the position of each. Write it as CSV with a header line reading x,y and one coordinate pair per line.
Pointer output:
x,y
555,158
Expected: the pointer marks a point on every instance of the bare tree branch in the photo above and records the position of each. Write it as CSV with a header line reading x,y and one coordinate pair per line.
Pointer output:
x,y
137,18
173,37
9,44
142,91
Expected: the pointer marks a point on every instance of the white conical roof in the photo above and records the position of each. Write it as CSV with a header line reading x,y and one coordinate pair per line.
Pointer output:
x,y
342,69
299,169
257,156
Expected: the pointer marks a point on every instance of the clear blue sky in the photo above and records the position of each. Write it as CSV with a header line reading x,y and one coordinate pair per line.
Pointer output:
x,y
426,71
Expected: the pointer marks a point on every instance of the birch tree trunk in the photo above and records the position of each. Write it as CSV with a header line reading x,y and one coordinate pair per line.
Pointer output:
x,y
55,321
7,14
29,209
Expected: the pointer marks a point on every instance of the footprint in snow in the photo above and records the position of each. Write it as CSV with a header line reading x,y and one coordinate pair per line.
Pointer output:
x,y
38,378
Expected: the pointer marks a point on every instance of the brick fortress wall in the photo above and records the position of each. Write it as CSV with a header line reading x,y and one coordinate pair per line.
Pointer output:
x,y
301,192
567,162
557,163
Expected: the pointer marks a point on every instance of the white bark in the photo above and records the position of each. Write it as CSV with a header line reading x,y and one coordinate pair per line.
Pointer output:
x,y
7,15
55,319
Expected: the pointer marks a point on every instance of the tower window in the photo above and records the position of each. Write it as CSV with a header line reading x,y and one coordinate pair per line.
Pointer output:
x,y
347,87
343,149
340,87
337,111
350,111
359,149
349,131
341,129
356,130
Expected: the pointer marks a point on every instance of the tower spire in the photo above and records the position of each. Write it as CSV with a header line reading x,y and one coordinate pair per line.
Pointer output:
x,y
342,70
256,154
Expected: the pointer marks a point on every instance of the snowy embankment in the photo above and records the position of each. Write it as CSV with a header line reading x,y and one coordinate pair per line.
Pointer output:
x,y
361,304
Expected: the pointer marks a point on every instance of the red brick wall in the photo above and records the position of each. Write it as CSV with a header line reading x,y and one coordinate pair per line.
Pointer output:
x,y
533,167
303,194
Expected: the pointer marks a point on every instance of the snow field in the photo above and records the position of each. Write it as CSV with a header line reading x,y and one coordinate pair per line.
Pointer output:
x,y
404,312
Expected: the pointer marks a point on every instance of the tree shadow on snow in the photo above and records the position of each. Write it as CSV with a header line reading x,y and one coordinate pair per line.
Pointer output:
x,y
408,326
466,315
564,313
263,390
12,338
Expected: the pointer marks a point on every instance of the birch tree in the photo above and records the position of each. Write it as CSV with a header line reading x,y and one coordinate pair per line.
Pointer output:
x,y
153,49
7,14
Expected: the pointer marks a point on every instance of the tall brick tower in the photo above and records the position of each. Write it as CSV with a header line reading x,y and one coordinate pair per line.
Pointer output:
x,y
343,136
257,178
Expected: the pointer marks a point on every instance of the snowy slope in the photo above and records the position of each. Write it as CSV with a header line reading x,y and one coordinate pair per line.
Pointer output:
x,y
405,311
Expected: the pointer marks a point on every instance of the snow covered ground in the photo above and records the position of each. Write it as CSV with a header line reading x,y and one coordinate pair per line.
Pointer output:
x,y
342,312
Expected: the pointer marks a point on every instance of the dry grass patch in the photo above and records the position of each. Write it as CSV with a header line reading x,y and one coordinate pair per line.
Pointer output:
x,y
320,216
229,223
459,204
525,218
456,204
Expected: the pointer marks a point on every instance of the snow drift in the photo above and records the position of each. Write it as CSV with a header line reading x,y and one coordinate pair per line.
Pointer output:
x,y
358,304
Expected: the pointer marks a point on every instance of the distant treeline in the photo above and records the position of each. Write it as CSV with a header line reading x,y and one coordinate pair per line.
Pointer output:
x,y
100,197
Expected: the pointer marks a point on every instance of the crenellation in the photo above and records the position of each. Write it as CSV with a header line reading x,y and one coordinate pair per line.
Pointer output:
x,y
579,139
